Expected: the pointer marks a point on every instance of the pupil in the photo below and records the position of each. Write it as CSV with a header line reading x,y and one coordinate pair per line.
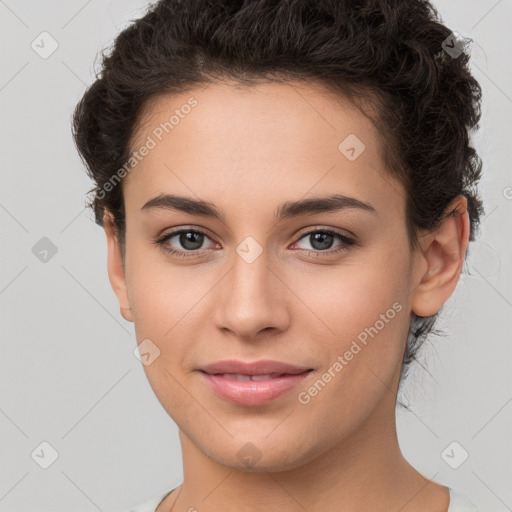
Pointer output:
x,y
321,238
194,238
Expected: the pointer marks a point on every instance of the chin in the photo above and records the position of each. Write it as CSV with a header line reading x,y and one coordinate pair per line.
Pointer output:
x,y
260,454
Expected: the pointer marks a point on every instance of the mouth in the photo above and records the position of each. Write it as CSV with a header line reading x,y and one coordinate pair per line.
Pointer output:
x,y
252,390
243,377
264,368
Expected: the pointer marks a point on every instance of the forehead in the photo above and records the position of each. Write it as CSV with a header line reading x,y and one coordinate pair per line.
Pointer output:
x,y
226,142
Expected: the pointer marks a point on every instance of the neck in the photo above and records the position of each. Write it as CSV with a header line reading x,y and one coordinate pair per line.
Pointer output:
x,y
366,471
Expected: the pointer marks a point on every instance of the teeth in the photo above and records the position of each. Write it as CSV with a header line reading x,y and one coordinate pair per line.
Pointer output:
x,y
236,376
263,377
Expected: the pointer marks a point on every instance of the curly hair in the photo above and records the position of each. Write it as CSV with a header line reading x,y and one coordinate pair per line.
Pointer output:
x,y
385,56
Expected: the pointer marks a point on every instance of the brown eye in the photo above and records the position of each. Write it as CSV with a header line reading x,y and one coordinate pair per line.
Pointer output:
x,y
188,242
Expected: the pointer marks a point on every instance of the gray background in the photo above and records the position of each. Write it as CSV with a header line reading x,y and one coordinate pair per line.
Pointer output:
x,y
68,374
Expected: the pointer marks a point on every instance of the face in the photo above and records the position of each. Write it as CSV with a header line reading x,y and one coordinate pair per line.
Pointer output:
x,y
323,289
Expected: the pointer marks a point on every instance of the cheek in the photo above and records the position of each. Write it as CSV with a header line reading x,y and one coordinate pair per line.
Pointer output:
x,y
353,295
361,361
166,308
168,305
160,292
363,312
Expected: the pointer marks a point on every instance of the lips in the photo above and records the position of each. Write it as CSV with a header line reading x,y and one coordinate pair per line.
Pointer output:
x,y
241,376
252,384
255,368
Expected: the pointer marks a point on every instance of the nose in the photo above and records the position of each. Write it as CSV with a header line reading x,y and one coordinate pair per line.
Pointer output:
x,y
254,298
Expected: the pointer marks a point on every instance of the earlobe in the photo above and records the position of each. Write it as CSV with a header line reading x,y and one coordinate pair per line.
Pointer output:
x,y
115,267
442,255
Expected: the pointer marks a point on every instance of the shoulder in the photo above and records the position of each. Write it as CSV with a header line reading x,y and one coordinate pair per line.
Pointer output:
x,y
459,503
151,505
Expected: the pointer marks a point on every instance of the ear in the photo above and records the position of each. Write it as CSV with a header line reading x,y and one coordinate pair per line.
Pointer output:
x,y
116,273
441,258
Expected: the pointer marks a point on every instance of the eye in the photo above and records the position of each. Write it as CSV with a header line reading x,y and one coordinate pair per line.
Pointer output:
x,y
190,239
321,242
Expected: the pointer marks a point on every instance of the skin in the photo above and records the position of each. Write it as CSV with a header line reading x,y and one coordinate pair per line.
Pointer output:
x,y
247,150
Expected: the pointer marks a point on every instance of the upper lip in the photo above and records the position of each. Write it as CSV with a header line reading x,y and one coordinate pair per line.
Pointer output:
x,y
263,367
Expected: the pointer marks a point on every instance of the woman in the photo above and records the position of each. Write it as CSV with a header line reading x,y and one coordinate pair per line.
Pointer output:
x,y
288,192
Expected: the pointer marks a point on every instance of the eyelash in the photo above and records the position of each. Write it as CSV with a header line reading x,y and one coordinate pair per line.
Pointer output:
x,y
346,243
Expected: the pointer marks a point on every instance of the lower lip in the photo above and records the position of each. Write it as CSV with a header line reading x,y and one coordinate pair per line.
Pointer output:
x,y
253,392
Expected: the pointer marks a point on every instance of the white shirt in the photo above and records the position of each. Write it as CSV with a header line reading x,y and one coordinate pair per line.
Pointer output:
x,y
458,503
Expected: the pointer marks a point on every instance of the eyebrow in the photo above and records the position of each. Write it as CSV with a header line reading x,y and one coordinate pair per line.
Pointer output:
x,y
286,210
